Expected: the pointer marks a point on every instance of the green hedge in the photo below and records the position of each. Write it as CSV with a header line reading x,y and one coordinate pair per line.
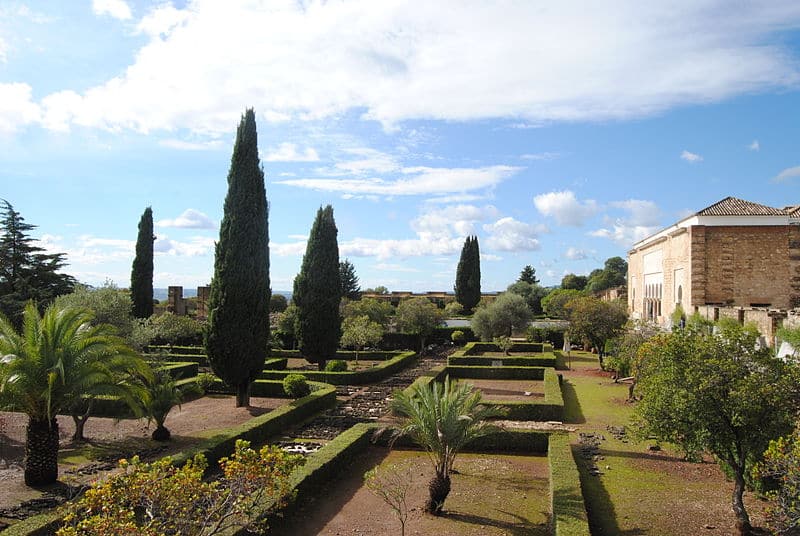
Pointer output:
x,y
276,363
508,361
176,350
178,370
568,509
475,348
347,355
359,377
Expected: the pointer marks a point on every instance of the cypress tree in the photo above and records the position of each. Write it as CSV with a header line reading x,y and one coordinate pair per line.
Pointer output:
x,y
468,275
238,320
318,291
142,271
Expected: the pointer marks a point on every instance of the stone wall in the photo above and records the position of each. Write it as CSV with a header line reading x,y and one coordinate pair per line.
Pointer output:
x,y
767,320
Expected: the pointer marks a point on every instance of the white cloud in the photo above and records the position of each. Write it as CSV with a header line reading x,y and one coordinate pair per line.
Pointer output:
x,y
16,107
420,181
3,50
640,212
184,145
458,219
197,246
290,249
575,254
691,157
541,156
642,219
400,61
788,173
388,267
370,160
426,245
114,8
189,219
624,235
489,257
287,152
508,234
754,146
565,208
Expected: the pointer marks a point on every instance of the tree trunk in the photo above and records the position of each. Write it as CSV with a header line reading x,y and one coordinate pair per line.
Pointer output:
x,y
439,489
243,395
743,527
41,452
161,433
80,423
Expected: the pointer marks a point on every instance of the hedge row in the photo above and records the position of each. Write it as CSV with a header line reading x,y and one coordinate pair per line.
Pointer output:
x,y
404,341
358,377
347,355
175,350
475,348
506,361
178,370
566,499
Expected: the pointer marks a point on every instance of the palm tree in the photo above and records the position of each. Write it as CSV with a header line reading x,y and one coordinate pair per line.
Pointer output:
x,y
163,395
442,419
54,361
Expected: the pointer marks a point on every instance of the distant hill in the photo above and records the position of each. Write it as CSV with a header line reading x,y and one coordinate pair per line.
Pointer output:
x,y
190,292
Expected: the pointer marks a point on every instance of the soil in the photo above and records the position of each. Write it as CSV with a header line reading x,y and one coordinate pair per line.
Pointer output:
x,y
490,495
108,441
509,390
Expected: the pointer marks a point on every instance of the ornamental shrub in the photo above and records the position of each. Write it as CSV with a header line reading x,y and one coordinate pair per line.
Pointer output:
x,y
458,337
296,386
336,365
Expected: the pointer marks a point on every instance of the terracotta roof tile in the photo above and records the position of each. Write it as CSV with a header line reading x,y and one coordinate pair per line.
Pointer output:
x,y
732,206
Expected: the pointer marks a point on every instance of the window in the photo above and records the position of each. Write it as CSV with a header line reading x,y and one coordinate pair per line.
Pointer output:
x,y
679,300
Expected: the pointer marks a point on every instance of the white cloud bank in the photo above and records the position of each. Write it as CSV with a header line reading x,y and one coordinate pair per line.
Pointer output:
x,y
395,60
641,219
787,174
565,208
287,152
189,219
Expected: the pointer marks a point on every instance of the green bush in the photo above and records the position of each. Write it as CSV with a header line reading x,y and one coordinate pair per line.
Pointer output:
x,y
296,386
458,337
336,365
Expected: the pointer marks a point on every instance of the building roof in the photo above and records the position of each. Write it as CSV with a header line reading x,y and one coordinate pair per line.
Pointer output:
x,y
733,206
793,211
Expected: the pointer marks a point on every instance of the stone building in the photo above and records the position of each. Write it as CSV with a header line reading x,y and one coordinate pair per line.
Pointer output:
x,y
734,253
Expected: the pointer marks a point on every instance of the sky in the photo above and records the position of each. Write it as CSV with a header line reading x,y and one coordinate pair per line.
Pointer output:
x,y
558,133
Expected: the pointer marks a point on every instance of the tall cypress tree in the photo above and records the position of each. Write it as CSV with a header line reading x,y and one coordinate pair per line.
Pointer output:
x,y
238,330
142,271
318,291
468,275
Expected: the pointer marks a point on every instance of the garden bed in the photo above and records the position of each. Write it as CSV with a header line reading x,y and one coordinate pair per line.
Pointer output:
x,y
509,390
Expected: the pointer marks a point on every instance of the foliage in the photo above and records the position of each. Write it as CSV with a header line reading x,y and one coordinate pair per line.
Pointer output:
x,y
166,329
574,282
596,321
717,393
296,386
418,316
238,321
613,274
554,303
504,343
508,312
532,292
442,419
163,394
205,380
458,337
349,280
468,275
378,311
108,303
391,485
26,272
380,289
781,464
625,361
142,270
528,275
287,325
159,498
792,336
678,316
278,303
360,331
336,365
453,309
698,323
50,366
318,291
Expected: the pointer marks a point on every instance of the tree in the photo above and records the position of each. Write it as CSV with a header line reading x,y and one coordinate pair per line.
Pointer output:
x,y
391,485
360,331
318,291
350,287
528,275
418,316
614,274
287,324
468,275
554,303
278,303
574,282
508,312
238,320
26,273
442,419
142,271
792,336
51,365
596,321
380,289
108,303
532,292
163,394
782,464
717,393
378,311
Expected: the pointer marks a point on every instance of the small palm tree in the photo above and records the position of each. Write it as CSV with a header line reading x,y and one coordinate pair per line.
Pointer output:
x,y
442,419
55,360
163,395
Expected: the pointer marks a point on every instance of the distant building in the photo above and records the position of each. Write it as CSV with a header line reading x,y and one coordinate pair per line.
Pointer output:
x,y
732,253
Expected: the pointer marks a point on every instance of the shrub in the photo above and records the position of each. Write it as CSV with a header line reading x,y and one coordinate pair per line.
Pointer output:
x,y
458,337
296,386
205,380
453,309
336,365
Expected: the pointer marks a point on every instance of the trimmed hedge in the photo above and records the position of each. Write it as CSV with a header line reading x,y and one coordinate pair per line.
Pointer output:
x,y
346,355
568,509
178,370
176,350
476,348
276,363
405,341
508,361
357,377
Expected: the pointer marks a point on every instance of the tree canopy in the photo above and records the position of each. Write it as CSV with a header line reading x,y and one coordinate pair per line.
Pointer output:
x,y
378,311
350,287
108,303
554,304
528,275
596,321
468,275
142,270
574,282
418,316
318,291
508,312
613,274
533,294
238,305
359,332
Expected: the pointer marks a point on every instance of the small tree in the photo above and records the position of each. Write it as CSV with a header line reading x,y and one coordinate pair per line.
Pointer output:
x,y
350,287
528,275
391,485
596,321
468,275
142,270
287,324
278,303
359,332
377,311
532,292
163,394
109,304
792,336
508,312
554,304
504,343
418,316
318,291
782,465
717,393
574,282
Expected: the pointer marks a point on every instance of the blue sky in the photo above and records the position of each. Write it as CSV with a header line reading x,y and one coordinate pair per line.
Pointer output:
x,y
559,133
